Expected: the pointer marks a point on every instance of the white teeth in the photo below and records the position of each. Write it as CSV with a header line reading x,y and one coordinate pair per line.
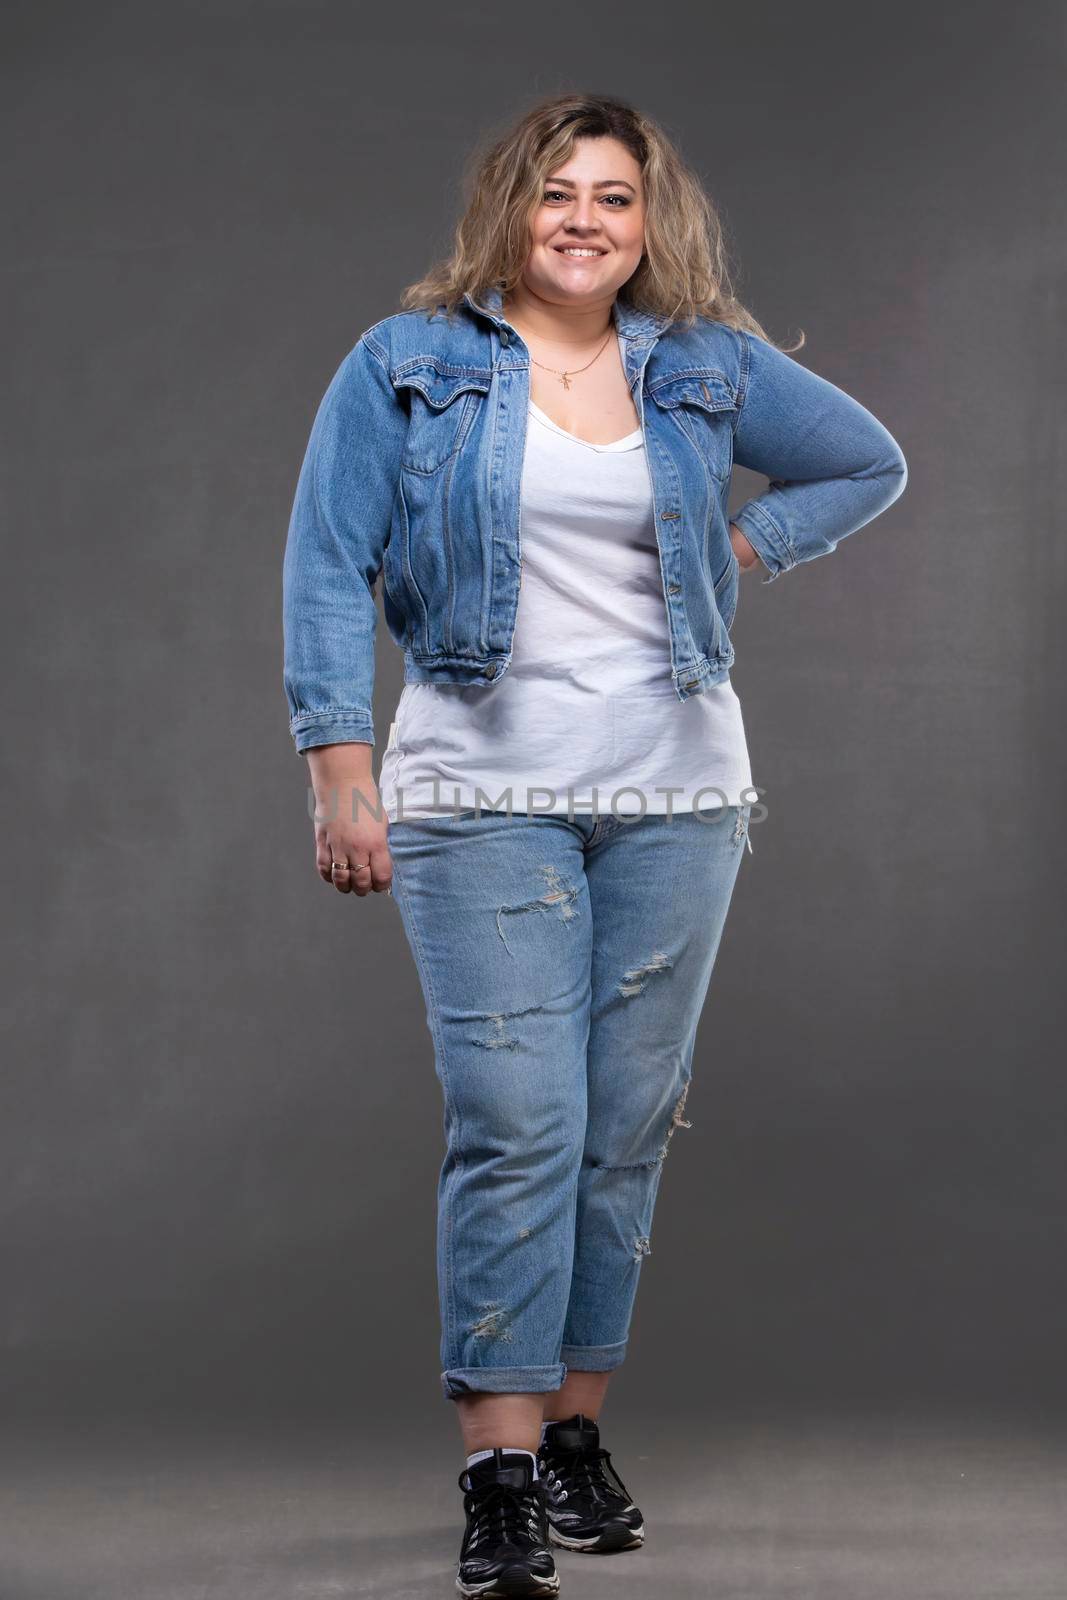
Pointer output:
x,y
574,251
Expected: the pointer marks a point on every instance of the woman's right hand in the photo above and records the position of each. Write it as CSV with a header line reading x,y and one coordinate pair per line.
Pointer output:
x,y
347,831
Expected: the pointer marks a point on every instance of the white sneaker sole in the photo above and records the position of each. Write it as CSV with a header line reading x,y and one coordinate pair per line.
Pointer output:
x,y
545,1586
593,1545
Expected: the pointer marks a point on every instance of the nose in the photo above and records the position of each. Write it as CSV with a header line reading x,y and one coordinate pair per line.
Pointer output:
x,y
576,231
582,217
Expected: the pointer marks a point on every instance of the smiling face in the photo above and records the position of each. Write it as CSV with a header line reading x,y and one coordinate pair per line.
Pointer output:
x,y
588,233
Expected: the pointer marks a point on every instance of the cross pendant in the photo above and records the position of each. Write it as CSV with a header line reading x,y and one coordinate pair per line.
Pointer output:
x,y
564,380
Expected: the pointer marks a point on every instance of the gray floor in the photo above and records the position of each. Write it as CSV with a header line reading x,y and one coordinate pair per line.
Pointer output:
x,y
862,1509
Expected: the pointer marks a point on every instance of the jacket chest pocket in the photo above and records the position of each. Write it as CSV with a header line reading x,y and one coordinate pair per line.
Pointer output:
x,y
442,406
703,406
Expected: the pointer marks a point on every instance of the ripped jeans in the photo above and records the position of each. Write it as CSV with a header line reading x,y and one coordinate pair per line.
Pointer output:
x,y
564,964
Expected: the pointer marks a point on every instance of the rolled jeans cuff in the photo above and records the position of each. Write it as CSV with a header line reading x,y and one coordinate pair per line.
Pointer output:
x,y
458,1381
593,1357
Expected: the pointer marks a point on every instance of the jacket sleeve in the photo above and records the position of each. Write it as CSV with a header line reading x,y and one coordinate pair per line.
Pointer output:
x,y
832,466
338,531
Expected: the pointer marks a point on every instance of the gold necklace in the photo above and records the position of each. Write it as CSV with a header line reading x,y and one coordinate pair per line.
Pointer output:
x,y
565,377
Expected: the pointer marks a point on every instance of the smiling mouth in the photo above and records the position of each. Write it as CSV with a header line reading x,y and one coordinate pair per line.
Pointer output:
x,y
579,252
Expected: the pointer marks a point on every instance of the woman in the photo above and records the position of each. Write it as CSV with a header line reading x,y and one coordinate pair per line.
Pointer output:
x,y
536,456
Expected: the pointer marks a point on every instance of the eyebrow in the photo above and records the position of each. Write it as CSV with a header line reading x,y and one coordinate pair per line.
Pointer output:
x,y
601,183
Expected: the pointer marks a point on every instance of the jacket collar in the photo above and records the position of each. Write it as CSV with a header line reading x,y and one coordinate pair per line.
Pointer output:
x,y
635,326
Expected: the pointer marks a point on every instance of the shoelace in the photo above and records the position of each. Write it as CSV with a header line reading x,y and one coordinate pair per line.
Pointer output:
x,y
585,1470
501,1509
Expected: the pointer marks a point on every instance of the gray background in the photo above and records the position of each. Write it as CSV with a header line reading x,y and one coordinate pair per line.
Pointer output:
x,y
220,1127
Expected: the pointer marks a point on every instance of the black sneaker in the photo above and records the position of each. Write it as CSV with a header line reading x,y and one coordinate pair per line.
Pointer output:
x,y
505,1549
589,1506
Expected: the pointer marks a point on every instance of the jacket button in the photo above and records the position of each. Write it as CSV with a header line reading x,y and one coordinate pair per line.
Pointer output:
x,y
674,588
491,670
504,336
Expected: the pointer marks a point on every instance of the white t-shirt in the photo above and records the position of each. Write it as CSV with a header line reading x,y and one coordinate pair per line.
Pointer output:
x,y
586,718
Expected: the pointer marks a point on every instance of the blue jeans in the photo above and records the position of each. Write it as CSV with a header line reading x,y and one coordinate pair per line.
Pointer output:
x,y
564,965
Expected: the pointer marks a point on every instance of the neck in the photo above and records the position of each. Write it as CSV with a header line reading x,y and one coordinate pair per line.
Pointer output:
x,y
570,327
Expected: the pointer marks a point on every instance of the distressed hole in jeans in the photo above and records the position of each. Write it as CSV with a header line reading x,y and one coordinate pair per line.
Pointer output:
x,y
500,1038
635,979
677,1121
642,1247
491,1325
560,897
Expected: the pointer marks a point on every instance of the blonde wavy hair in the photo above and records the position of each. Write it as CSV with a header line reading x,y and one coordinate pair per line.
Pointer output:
x,y
683,272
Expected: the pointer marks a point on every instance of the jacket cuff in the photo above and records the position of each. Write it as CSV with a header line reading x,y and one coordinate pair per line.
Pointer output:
x,y
766,538
311,728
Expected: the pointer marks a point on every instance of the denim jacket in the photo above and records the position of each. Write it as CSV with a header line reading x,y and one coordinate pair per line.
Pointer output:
x,y
413,472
